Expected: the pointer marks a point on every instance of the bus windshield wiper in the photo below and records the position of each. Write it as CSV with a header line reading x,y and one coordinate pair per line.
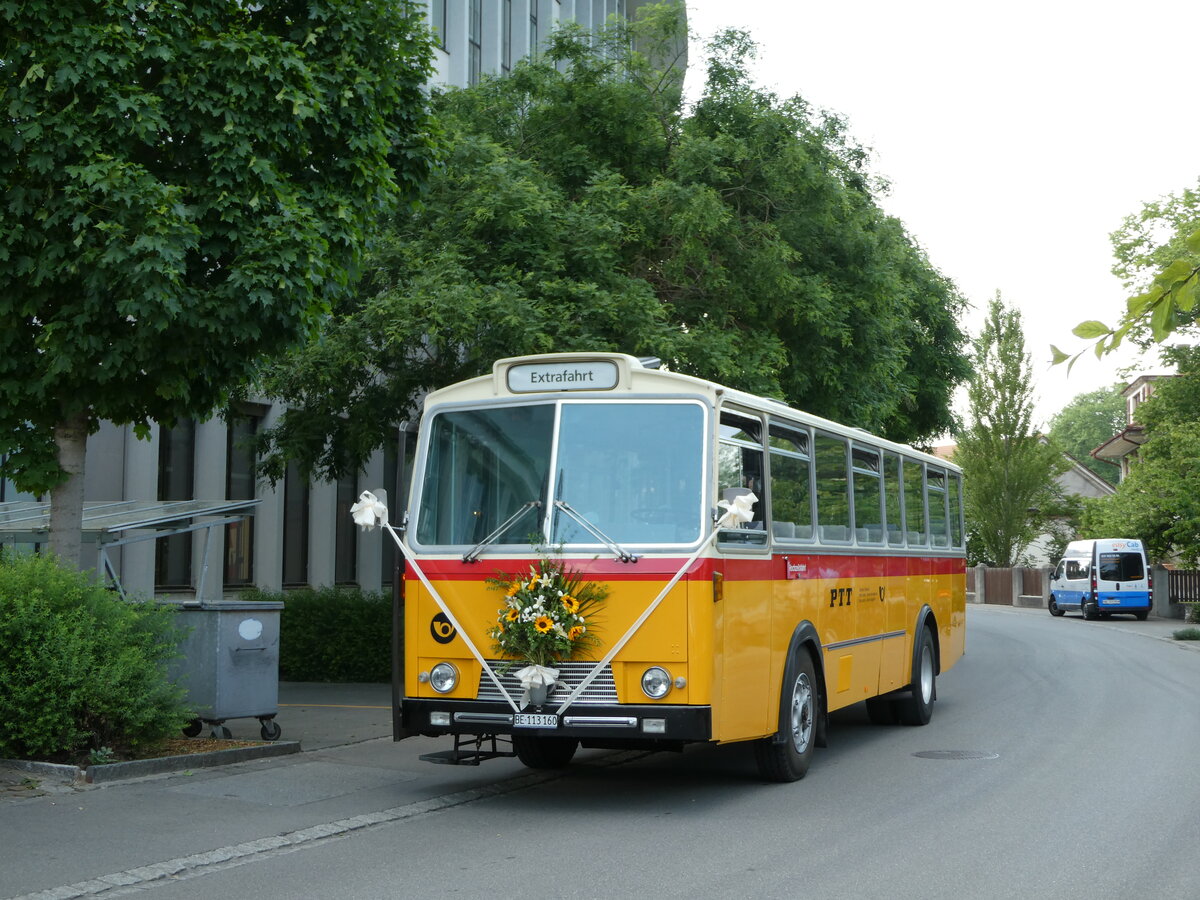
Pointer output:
x,y
622,554
473,554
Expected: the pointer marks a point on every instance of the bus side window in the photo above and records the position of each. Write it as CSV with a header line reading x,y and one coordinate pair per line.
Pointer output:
x,y
868,495
913,475
939,520
956,523
891,498
791,493
740,462
833,488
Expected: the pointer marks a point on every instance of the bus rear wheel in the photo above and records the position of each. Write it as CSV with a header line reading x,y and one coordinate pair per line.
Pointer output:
x,y
786,755
544,752
917,707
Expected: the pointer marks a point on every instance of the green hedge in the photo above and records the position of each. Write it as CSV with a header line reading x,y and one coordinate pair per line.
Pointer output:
x,y
337,634
81,669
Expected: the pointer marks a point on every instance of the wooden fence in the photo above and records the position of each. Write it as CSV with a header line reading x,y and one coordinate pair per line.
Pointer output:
x,y
1184,587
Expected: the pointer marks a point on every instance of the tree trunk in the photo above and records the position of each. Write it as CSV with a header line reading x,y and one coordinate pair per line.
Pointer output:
x,y
66,500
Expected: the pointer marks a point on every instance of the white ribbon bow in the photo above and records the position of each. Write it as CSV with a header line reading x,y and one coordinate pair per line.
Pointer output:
x,y
737,511
536,676
368,511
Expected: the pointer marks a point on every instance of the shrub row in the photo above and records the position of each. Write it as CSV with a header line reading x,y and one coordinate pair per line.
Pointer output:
x,y
335,634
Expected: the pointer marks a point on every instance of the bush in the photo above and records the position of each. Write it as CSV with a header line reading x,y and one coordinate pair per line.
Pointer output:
x,y
80,668
1187,634
337,634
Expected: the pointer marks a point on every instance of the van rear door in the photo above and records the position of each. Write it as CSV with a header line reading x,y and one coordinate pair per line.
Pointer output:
x,y
1121,579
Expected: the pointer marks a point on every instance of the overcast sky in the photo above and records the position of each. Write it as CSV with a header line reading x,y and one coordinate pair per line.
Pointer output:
x,y
1016,136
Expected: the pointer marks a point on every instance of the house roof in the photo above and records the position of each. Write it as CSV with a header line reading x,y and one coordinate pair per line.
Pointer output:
x,y
1121,445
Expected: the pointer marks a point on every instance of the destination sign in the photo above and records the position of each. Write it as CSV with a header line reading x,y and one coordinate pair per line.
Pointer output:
x,y
597,375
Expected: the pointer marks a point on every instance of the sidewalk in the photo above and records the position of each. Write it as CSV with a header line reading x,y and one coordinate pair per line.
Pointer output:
x,y
66,838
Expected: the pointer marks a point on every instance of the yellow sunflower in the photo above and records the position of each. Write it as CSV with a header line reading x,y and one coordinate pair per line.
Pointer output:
x,y
570,604
575,633
512,589
512,615
543,624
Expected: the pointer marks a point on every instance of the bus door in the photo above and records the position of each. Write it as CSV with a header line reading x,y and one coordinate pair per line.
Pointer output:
x,y
743,615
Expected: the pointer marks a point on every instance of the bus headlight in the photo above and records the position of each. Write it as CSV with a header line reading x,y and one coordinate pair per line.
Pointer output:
x,y
443,677
656,681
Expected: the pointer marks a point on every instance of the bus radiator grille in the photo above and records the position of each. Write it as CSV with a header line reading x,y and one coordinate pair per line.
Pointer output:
x,y
602,690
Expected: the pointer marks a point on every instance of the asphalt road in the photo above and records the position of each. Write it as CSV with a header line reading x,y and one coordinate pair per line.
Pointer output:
x,y
1059,764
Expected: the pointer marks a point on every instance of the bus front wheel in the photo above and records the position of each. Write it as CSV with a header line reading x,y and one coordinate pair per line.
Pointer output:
x,y
786,756
917,707
544,752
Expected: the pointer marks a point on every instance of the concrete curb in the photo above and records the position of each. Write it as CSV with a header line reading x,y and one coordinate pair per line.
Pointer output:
x,y
139,768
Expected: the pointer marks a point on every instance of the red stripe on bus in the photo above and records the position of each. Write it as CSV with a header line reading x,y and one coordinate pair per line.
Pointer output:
x,y
779,567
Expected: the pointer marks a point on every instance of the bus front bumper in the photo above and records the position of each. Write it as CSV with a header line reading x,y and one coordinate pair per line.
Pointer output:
x,y
633,722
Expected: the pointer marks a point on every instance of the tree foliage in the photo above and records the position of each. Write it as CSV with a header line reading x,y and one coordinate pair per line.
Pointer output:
x,y
185,186
1009,471
580,208
1158,259
1159,501
1087,422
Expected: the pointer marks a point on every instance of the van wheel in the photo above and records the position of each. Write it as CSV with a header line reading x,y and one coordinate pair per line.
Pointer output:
x,y
1089,610
1053,607
786,756
544,752
917,707
1142,614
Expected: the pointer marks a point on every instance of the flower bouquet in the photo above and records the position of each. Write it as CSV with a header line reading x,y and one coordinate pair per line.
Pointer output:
x,y
545,618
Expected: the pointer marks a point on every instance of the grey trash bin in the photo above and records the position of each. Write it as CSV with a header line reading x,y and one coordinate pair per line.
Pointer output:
x,y
229,664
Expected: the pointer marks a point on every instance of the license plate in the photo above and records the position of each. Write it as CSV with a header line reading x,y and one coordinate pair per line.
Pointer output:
x,y
535,720
1111,601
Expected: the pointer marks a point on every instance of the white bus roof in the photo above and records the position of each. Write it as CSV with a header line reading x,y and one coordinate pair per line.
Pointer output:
x,y
552,375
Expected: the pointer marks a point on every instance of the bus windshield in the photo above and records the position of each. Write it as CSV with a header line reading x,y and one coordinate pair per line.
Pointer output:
x,y
633,470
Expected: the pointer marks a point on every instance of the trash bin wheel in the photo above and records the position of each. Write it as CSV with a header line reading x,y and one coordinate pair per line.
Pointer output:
x,y
270,730
192,728
221,732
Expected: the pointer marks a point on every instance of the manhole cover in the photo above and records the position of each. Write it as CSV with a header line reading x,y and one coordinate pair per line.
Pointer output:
x,y
957,754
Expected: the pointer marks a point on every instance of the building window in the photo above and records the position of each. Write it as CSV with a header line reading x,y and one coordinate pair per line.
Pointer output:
x,y
506,37
295,526
437,19
176,480
239,485
345,550
475,43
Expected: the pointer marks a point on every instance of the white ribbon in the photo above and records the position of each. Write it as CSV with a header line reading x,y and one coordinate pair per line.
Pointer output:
x,y
368,511
536,676
737,512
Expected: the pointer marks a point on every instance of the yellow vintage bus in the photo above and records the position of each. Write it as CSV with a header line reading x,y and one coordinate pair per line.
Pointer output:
x,y
763,567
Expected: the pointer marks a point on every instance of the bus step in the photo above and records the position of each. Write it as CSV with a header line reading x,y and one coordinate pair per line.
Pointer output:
x,y
469,750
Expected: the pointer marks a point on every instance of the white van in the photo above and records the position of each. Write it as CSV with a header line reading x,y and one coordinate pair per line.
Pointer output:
x,y
1101,577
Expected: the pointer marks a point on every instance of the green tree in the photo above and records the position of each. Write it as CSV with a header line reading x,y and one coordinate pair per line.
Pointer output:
x,y
1157,254
581,208
183,188
1159,501
1009,470
1087,422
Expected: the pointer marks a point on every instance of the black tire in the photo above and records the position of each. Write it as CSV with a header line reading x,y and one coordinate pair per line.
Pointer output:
x,y
882,711
221,733
1142,614
786,756
1054,608
916,708
192,728
1089,610
270,730
544,752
